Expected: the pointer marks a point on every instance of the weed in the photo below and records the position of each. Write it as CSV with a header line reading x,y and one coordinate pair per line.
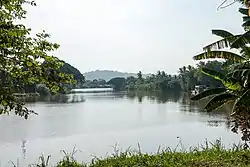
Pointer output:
x,y
211,154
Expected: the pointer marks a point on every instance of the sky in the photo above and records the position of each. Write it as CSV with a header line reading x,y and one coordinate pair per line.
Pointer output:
x,y
131,35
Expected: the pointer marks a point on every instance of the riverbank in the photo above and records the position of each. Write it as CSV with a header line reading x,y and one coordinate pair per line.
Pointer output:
x,y
216,156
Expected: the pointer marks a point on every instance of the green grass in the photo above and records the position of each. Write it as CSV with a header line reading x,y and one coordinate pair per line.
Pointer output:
x,y
212,155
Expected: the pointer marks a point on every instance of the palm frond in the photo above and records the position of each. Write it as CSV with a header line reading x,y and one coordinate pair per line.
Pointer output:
x,y
220,54
227,40
209,92
219,101
242,40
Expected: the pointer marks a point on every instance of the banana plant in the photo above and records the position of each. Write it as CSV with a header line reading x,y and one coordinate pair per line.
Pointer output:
x,y
230,93
236,82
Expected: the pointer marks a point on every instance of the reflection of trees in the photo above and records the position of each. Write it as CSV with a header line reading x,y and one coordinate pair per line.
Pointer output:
x,y
237,123
23,146
140,99
159,97
73,98
131,95
215,123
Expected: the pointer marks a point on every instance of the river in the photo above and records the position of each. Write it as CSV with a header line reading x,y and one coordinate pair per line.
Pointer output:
x,y
94,123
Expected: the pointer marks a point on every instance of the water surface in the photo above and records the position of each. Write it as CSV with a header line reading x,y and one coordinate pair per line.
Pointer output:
x,y
95,122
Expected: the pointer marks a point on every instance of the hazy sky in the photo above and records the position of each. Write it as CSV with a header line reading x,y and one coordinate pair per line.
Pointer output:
x,y
131,35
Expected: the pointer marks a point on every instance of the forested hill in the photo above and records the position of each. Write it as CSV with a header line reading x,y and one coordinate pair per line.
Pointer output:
x,y
108,74
69,69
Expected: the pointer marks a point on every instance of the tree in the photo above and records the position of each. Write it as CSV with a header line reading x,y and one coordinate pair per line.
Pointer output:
x,y
236,83
22,56
118,83
139,75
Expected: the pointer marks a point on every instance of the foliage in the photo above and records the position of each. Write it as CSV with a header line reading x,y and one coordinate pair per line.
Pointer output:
x,y
159,82
24,59
69,69
209,155
186,80
96,83
118,83
236,82
192,76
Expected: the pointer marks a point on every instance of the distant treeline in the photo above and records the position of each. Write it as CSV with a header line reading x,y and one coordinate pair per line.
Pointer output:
x,y
186,80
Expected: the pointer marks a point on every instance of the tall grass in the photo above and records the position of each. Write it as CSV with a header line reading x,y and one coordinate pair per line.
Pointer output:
x,y
207,155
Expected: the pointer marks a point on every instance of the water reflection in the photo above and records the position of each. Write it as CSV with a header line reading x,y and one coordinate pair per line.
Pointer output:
x,y
23,147
159,97
219,118
71,98
94,120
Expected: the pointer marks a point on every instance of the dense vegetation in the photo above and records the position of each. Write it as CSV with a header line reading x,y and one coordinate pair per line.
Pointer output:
x,y
186,80
65,68
215,156
236,79
22,56
77,76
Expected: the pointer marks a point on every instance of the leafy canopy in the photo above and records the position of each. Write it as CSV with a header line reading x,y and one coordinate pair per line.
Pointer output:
x,y
24,59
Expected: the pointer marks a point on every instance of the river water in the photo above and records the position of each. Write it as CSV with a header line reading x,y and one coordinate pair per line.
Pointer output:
x,y
94,123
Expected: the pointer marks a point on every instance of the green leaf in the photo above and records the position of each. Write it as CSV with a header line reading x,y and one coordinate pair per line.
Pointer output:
x,y
229,82
218,101
209,92
222,33
220,54
246,24
241,41
242,101
243,11
246,18
216,75
241,73
227,40
29,64
4,103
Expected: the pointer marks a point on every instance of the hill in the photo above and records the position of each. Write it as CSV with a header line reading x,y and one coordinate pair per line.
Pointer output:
x,y
69,69
108,74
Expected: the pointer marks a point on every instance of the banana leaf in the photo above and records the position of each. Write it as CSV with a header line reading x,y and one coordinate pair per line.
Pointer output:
x,y
219,101
208,93
228,39
241,73
243,11
229,82
244,100
220,54
242,40
222,33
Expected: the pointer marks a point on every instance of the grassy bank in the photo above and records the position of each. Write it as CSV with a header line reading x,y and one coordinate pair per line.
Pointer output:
x,y
215,156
